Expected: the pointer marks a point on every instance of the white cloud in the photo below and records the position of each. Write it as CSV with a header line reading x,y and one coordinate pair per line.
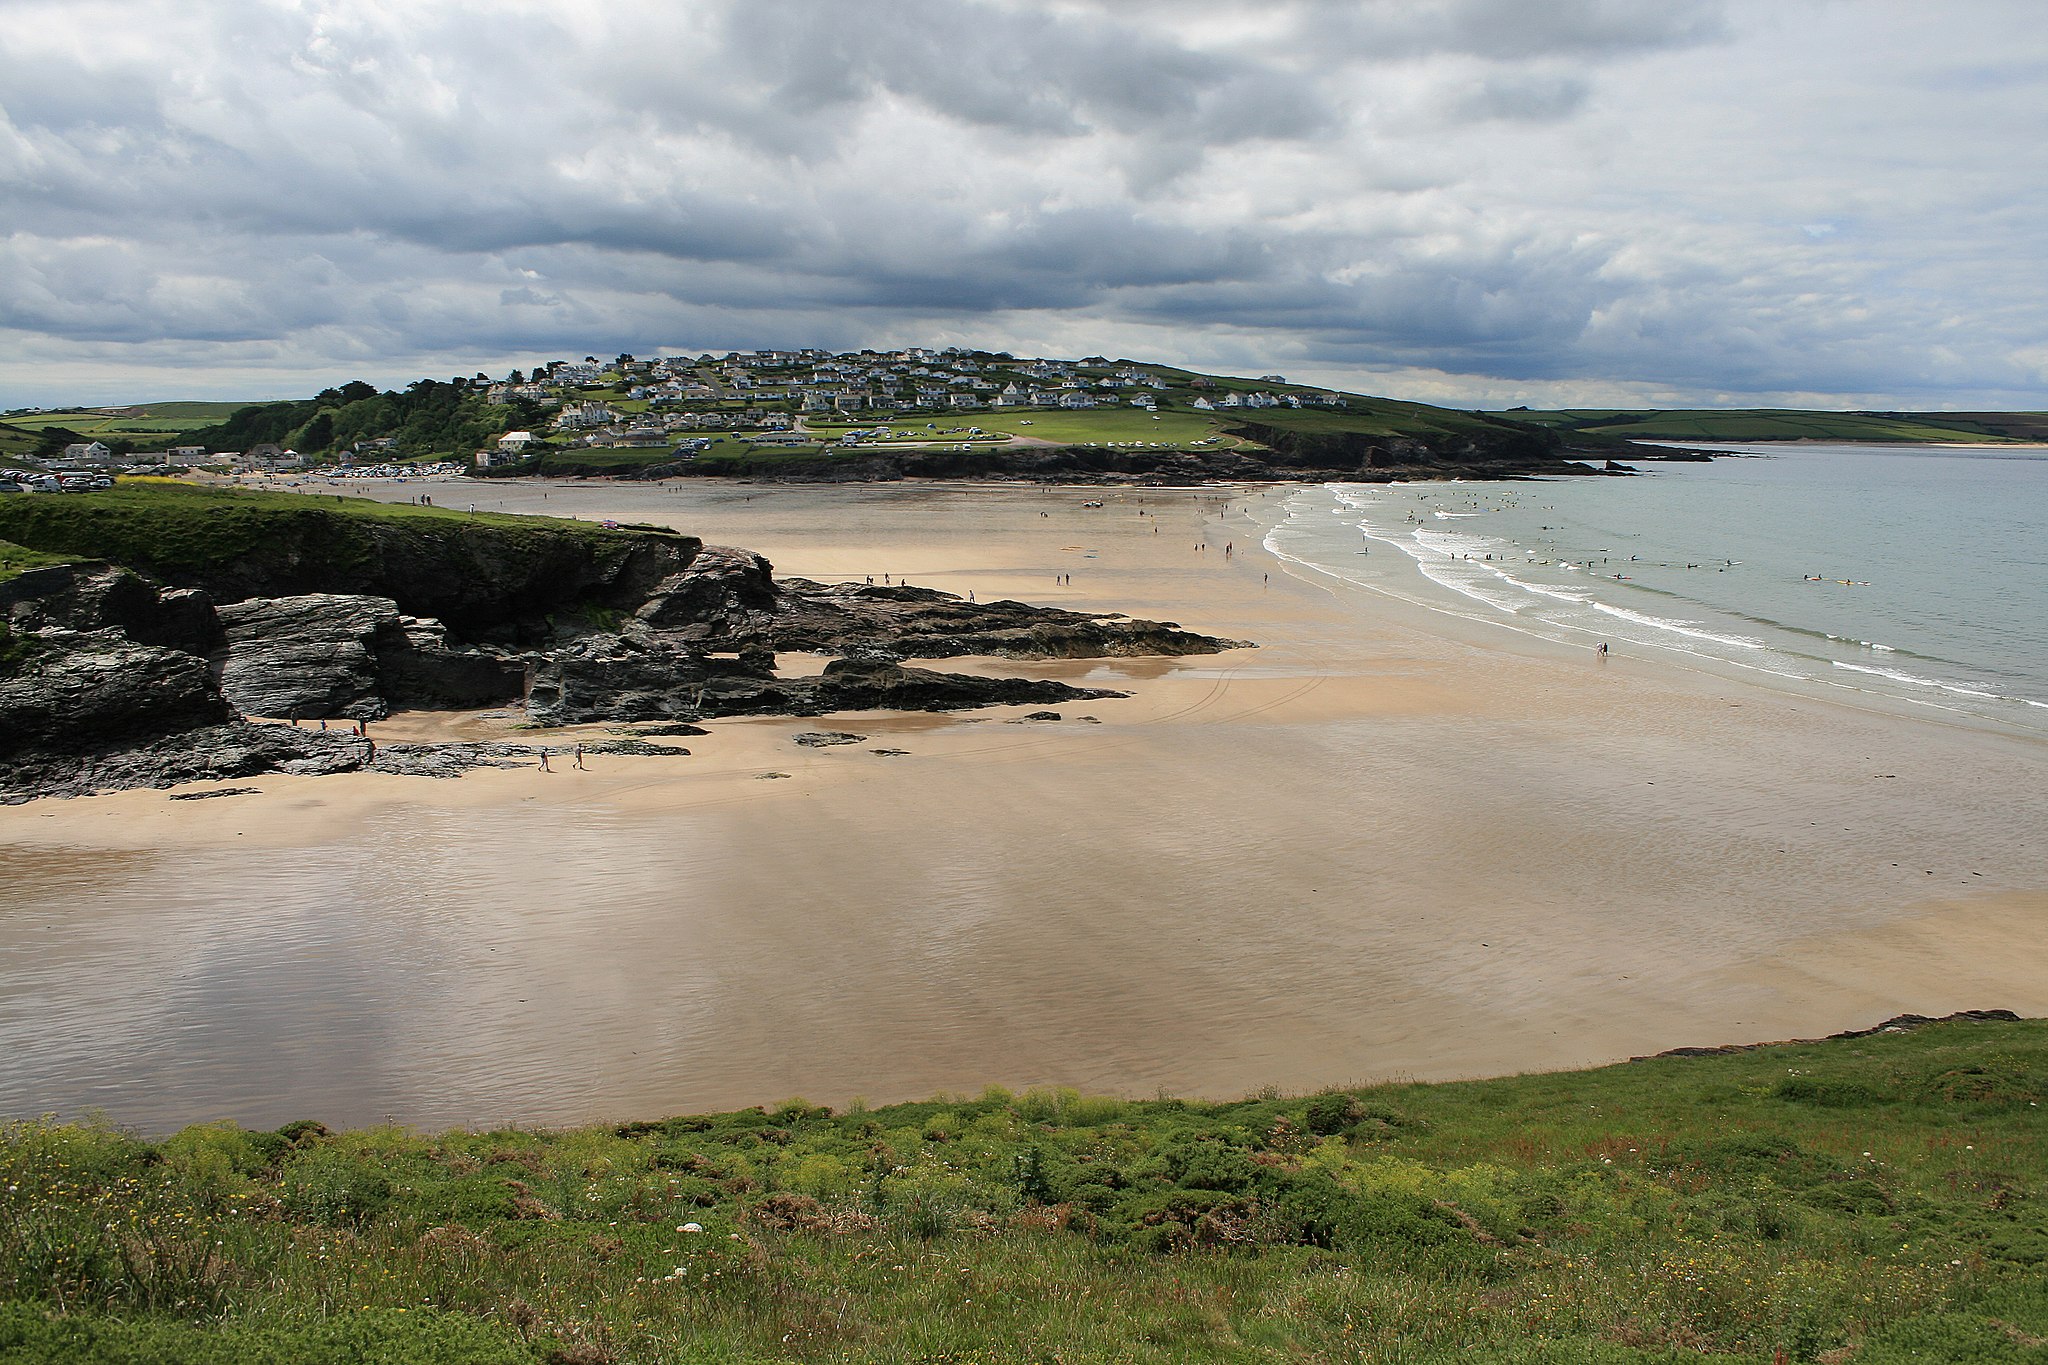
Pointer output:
x,y
1482,200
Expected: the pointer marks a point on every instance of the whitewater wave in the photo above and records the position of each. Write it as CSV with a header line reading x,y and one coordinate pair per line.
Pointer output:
x,y
1915,680
1686,628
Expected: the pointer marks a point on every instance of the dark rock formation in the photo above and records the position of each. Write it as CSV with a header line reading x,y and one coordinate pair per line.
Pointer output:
x,y
632,676
825,739
1501,449
110,680
634,748
641,676
229,749
325,655
921,623
93,596
868,684
242,749
417,666
81,693
311,656
712,596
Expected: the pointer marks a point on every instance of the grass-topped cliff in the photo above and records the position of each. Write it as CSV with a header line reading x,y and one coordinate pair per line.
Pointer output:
x,y
1591,426
480,572
1878,1200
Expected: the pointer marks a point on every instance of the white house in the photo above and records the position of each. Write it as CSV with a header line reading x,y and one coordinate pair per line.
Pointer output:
x,y
578,416
88,452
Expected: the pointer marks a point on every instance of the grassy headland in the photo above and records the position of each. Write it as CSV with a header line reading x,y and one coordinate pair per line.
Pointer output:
x,y
475,570
1878,1200
1774,424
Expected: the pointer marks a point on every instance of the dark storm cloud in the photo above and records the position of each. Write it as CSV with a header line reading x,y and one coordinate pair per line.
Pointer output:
x,y
1477,196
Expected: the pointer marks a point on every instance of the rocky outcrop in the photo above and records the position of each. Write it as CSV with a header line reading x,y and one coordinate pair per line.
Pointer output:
x,y
869,684
327,655
715,596
921,623
312,656
109,679
243,749
631,677
1498,449
93,596
641,676
81,693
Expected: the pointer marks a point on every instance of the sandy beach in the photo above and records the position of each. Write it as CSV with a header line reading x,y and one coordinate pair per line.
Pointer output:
x,y
1383,844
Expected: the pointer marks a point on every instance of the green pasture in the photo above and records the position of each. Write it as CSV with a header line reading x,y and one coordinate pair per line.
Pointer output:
x,y
1366,416
1881,1201
1087,426
140,421
1764,424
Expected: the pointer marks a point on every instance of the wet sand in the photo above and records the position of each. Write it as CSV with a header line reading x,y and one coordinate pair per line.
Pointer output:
x,y
1384,844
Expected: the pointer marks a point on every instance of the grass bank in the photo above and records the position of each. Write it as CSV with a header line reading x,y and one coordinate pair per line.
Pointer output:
x,y
1879,1200
477,571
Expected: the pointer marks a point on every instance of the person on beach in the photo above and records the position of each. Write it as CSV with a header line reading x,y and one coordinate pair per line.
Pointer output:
x,y
579,758
1601,649
544,762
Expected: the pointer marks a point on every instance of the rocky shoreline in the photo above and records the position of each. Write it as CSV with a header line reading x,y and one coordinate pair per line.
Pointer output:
x,y
113,679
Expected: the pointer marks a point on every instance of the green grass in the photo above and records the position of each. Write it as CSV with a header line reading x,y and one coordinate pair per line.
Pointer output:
x,y
1769,424
15,559
479,572
1880,1199
140,421
165,524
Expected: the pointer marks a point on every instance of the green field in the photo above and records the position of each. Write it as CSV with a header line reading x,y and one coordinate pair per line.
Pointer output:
x,y
1372,417
138,422
1774,424
1881,1200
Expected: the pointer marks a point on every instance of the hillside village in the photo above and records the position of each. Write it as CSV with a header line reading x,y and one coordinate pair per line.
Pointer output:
x,y
650,411
665,401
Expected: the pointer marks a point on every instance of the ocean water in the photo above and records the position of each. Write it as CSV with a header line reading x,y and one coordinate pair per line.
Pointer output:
x,y
1918,575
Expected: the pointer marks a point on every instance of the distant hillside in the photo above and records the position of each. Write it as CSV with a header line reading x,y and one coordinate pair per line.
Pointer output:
x,y
952,414
1592,425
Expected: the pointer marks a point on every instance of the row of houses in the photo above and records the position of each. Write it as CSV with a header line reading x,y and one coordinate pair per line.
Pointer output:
x,y
1269,400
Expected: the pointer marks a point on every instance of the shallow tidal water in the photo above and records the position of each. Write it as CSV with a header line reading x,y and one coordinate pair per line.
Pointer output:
x,y
1913,574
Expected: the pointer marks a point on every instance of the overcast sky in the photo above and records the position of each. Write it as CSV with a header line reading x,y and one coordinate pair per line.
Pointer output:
x,y
1475,202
